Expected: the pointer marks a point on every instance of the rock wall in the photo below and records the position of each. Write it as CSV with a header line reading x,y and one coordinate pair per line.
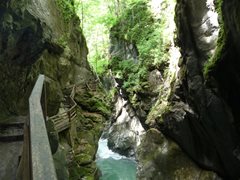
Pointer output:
x,y
161,158
226,69
125,133
202,116
35,38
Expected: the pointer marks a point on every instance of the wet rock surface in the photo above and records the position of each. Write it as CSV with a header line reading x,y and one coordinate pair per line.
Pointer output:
x,y
125,132
208,132
160,158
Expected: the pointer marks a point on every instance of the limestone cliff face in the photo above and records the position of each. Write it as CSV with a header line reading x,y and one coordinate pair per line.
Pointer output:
x,y
226,72
35,38
208,132
125,133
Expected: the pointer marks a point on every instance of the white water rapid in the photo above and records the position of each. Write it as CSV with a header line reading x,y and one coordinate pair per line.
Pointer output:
x,y
114,166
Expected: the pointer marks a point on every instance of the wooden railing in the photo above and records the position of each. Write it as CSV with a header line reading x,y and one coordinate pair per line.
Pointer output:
x,y
63,121
36,161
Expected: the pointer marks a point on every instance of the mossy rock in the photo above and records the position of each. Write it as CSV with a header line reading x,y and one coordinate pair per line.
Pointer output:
x,y
86,148
92,104
61,164
98,129
88,136
85,124
89,177
211,64
83,159
79,172
97,118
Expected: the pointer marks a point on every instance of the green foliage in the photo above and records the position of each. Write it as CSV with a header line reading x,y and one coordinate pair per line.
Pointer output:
x,y
99,63
94,16
122,68
135,22
133,74
151,33
108,20
112,93
135,81
138,25
132,20
67,9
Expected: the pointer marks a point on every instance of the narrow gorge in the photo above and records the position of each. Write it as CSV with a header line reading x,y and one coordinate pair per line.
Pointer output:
x,y
132,89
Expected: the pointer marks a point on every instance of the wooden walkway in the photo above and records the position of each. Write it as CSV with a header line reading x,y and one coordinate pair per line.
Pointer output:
x,y
63,120
36,161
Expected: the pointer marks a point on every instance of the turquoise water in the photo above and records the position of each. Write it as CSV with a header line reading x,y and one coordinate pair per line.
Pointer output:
x,y
114,166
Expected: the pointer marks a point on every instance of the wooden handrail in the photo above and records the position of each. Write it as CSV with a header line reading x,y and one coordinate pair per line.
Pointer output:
x,y
41,156
37,157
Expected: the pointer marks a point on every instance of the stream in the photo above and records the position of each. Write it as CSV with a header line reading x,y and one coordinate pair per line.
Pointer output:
x,y
114,166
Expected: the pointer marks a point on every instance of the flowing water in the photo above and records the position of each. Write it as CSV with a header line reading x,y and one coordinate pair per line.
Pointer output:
x,y
114,166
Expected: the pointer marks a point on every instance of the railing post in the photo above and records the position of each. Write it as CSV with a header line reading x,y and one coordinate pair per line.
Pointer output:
x,y
24,168
45,99
69,116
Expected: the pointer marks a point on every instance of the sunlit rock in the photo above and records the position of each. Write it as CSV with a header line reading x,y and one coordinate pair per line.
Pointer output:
x,y
126,130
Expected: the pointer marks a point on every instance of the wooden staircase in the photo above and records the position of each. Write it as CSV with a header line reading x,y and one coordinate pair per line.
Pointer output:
x,y
63,120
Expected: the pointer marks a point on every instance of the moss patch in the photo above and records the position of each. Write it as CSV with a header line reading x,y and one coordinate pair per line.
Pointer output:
x,y
211,63
92,103
78,172
67,9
